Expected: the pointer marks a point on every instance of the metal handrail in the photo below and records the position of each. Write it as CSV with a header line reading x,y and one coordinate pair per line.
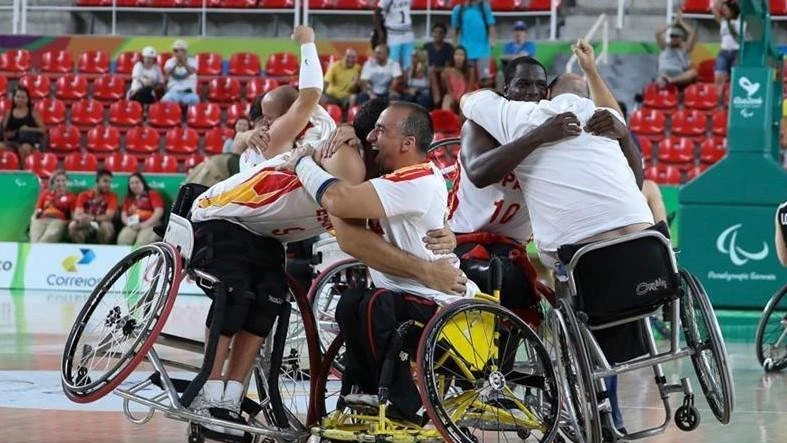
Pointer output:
x,y
603,23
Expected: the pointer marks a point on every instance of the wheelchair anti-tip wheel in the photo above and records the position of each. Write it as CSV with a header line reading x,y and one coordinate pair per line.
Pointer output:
x,y
772,333
120,322
703,335
481,370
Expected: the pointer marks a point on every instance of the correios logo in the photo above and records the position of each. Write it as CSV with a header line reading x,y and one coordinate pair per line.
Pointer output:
x,y
750,102
727,243
70,263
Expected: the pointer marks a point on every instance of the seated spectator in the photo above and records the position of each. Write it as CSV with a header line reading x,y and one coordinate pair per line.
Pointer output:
x,y
458,78
674,61
242,124
141,213
181,72
146,78
23,128
53,211
343,80
438,53
380,76
520,45
727,13
418,87
94,211
474,29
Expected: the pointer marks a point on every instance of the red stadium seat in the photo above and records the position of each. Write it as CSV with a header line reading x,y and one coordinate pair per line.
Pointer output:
x,y
181,141
109,88
208,64
164,115
326,60
142,140
696,6
706,71
335,111
224,90
215,138
281,64
119,162
203,116
87,113
42,164
689,123
664,174
236,111
259,86
125,113
125,63
719,123
56,63
159,164
52,111
14,62
646,148
445,121
244,64
276,4
342,4
778,7
692,173
726,94
8,161
93,63
661,98
71,87
713,150
64,139
94,2
80,162
37,85
232,3
702,96
3,86
103,140
178,3
192,161
162,58
351,113
506,5
676,150
541,5
648,122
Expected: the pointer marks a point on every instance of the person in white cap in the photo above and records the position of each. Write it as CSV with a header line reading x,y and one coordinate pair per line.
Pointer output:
x,y
146,77
181,72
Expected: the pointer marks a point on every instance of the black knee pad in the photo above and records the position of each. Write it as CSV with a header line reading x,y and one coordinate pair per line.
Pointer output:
x,y
348,305
270,297
237,305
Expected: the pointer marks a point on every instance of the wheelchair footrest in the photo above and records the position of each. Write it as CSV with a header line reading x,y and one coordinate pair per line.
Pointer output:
x,y
248,405
364,403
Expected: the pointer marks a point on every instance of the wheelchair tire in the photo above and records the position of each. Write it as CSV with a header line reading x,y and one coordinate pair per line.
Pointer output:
x,y
327,384
79,384
703,335
772,333
536,373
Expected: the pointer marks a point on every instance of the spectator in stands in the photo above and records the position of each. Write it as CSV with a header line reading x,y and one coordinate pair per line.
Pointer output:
x,y
53,211
94,211
181,72
242,124
142,211
342,80
418,85
727,13
520,45
380,76
474,28
146,78
458,78
399,30
23,128
674,60
438,53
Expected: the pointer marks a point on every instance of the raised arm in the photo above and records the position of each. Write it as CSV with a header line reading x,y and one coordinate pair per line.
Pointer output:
x,y
691,37
660,40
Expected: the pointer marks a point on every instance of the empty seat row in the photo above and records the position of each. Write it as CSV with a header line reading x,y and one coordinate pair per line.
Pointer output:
x,y
43,164
652,123
702,96
497,5
681,150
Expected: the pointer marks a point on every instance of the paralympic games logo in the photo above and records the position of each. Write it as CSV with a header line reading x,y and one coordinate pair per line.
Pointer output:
x,y
726,243
70,263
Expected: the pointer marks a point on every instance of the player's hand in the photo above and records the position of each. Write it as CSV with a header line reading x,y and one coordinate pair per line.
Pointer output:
x,y
585,55
440,241
303,34
344,134
257,139
604,124
294,156
559,127
441,275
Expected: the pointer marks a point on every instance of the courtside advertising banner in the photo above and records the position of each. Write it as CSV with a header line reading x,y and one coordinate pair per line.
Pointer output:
x,y
70,267
8,263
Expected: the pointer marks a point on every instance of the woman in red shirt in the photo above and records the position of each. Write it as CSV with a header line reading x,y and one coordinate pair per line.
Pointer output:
x,y
142,211
53,211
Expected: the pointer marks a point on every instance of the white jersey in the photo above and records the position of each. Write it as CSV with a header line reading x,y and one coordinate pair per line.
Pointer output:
x,y
398,21
414,199
498,208
265,201
574,189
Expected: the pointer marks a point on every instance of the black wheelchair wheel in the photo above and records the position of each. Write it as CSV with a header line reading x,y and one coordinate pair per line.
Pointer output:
x,y
703,335
772,333
481,370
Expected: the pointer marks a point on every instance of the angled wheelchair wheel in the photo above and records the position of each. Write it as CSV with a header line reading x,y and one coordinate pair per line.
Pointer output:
x,y
772,333
703,335
483,375
120,322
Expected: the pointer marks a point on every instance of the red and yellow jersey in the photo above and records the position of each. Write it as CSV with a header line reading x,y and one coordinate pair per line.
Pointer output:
x,y
143,205
265,201
97,203
55,205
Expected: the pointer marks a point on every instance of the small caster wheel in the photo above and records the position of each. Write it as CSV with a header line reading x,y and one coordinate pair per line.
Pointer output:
x,y
768,364
687,418
195,434
523,433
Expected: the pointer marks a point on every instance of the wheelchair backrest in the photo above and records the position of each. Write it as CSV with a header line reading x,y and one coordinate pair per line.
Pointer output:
x,y
177,227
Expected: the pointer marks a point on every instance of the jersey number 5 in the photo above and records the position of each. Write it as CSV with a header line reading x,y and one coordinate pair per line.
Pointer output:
x,y
508,214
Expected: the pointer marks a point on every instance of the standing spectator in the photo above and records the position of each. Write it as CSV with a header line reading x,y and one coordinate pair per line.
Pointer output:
x,y
94,211
181,72
342,80
458,78
474,28
399,30
674,61
438,53
53,211
141,213
242,124
727,13
379,76
417,89
23,128
520,45
146,78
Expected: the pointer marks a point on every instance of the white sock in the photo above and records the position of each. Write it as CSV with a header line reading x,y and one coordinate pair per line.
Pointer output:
x,y
213,390
234,391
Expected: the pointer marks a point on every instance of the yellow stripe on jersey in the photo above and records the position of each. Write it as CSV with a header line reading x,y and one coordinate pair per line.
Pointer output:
x,y
265,187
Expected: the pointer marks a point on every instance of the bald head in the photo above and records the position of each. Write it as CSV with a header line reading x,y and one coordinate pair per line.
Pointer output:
x,y
569,83
278,101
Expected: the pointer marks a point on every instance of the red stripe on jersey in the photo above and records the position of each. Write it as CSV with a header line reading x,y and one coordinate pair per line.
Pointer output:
x,y
453,194
264,187
410,173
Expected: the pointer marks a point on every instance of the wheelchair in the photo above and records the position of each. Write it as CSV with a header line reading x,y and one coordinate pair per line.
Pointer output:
x,y
121,325
587,303
771,336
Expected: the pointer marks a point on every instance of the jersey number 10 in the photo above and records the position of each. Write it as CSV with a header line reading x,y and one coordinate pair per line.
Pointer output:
x,y
508,214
